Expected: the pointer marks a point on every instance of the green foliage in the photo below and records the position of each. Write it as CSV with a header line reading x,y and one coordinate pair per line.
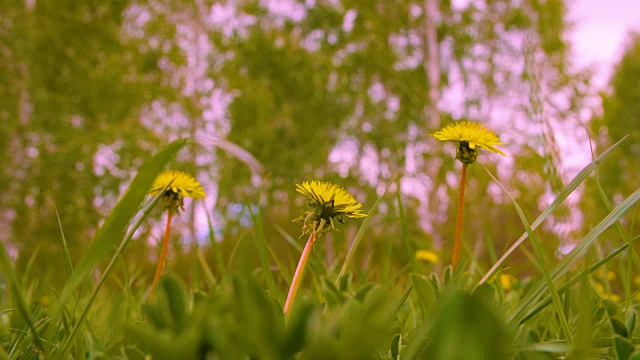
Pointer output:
x,y
620,117
90,90
242,320
74,87
467,326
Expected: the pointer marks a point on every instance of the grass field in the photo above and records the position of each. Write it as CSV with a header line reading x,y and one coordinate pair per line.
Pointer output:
x,y
581,306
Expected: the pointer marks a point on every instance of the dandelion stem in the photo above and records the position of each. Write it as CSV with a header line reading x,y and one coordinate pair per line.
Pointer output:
x,y
457,242
163,255
297,277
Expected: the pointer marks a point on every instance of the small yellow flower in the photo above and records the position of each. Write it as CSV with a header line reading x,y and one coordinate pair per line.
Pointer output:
x,y
508,281
469,135
428,256
611,275
181,185
613,297
604,294
599,288
328,201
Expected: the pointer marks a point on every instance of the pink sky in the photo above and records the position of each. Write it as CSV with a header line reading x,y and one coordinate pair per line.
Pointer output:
x,y
600,29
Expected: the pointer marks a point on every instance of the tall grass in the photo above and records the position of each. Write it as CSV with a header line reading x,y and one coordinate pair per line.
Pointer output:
x,y
230,312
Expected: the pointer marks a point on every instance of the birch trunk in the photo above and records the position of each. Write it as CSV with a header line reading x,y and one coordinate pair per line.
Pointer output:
x,y
431,61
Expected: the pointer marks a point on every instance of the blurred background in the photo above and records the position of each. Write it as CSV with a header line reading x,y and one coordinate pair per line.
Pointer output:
x,y
276,92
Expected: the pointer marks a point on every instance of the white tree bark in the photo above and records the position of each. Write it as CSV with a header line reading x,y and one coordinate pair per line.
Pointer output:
x,y
431,61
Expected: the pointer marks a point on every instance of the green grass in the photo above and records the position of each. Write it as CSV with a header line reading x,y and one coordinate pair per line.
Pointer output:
x,y
230,311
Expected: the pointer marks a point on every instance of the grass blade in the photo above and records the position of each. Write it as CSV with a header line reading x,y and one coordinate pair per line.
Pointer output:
x,y
209,278
72,334
261,245
16,289
117,221
360,235
405,230
67,257
288,238
217,253
283,269
547,300
539,259
577,180
538,290
401,301
626,280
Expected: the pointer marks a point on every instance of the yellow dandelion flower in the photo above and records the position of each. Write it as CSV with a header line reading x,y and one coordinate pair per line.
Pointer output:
x,y
469,135
328,201
180,185
428,256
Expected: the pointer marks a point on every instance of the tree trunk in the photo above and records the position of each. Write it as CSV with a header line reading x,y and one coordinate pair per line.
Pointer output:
x,y
431,61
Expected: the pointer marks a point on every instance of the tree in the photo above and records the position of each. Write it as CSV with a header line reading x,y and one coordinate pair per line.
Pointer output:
x,y
620,117
71,96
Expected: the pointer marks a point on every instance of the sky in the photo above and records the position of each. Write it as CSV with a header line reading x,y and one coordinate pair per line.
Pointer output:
x,y
600,30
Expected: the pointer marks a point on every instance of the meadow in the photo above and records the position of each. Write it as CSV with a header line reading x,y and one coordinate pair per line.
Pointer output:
x,y
315,179
573,306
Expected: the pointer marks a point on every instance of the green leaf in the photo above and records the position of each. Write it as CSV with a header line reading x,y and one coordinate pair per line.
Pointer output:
x,y
343,282
364,326
466,327
364,290
447,275
426,293
611,307
631,321
296,330
164,345
176,300
487,292
259,316
623,347
395,347
635,355
618,327
332,295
